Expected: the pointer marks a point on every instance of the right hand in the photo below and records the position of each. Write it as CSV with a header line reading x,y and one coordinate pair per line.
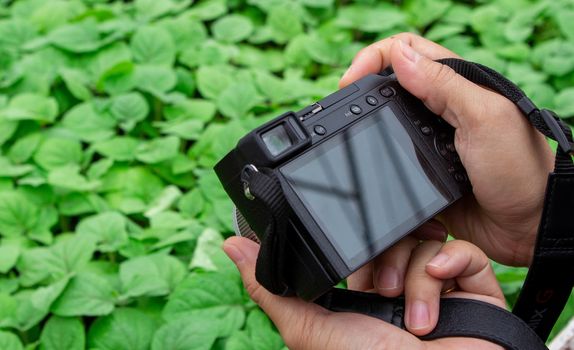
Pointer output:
x,y
506,159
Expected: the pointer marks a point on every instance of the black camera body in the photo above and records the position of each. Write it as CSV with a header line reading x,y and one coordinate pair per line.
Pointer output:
x,y
359,169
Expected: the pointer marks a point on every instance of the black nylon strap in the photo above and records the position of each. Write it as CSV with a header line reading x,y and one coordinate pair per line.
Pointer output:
x,y
271,261
551,275
457,318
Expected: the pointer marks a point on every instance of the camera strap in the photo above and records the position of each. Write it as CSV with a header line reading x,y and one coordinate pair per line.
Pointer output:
x,y
551,275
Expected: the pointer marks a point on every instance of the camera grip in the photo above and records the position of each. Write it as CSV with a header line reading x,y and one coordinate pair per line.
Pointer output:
x,y
458,318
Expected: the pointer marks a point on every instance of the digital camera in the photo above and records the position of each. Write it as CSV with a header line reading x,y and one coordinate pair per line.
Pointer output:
x,y
359,170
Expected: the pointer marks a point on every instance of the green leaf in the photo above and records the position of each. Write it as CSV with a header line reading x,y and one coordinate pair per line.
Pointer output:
x,y
63,333
237,99
7,169
184,129
196,109
212,80
317,3
125,328
30,106
131,188
424,12
69,178
158,150
77,82
150,9
34,305
153,45
370,19
284,22
564,103
9,254
107,229
87,124
10,341
7,129
24,147
208,10
186,32
232,28
58,152
565,19
555,57
80,37
155,79
17,214
186,334
129,109
69,255
121,148
163,201
151,275
87,294
208,294
16,32
8,309
208,254
261,332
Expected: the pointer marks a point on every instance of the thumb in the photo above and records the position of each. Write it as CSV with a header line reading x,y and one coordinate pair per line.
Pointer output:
x,y
459,101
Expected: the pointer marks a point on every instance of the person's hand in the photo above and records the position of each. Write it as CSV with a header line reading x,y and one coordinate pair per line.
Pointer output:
x,y
306,325
506,159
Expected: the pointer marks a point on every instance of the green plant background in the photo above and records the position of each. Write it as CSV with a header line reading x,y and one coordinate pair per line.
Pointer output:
x,y
113,113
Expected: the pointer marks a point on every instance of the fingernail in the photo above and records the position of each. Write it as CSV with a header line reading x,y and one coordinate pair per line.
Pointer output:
x,y
439,260
436,230
419,315
388,278
408,52
234,254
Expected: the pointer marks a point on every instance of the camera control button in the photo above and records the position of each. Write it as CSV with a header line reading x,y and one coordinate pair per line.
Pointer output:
x,y
387,91
459,177
426,130
319,129
372,100
356,109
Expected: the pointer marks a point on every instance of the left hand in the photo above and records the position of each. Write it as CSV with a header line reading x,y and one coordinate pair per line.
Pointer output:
x,y
306,325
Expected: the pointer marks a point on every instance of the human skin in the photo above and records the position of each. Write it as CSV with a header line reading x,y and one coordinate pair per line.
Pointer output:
x,y
506,159
307,326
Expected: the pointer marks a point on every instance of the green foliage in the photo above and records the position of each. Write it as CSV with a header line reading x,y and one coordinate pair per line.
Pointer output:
x,y
113,113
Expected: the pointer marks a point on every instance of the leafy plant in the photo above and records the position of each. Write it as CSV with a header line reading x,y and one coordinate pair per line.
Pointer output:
x,y
113,113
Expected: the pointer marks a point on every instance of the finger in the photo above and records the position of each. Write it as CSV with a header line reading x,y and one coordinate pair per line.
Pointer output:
x,y
391,266
431,230
376,57
468,265
362,279
308,326
459,101
243,252
422,291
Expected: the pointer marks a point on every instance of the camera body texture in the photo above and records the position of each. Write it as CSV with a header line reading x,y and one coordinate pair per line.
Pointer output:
x,y
360,169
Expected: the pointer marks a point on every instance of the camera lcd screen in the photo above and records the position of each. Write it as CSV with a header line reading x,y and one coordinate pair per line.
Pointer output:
x,y
365,187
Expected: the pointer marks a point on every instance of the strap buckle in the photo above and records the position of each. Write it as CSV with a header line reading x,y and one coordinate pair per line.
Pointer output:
x,y
246,173
551,120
